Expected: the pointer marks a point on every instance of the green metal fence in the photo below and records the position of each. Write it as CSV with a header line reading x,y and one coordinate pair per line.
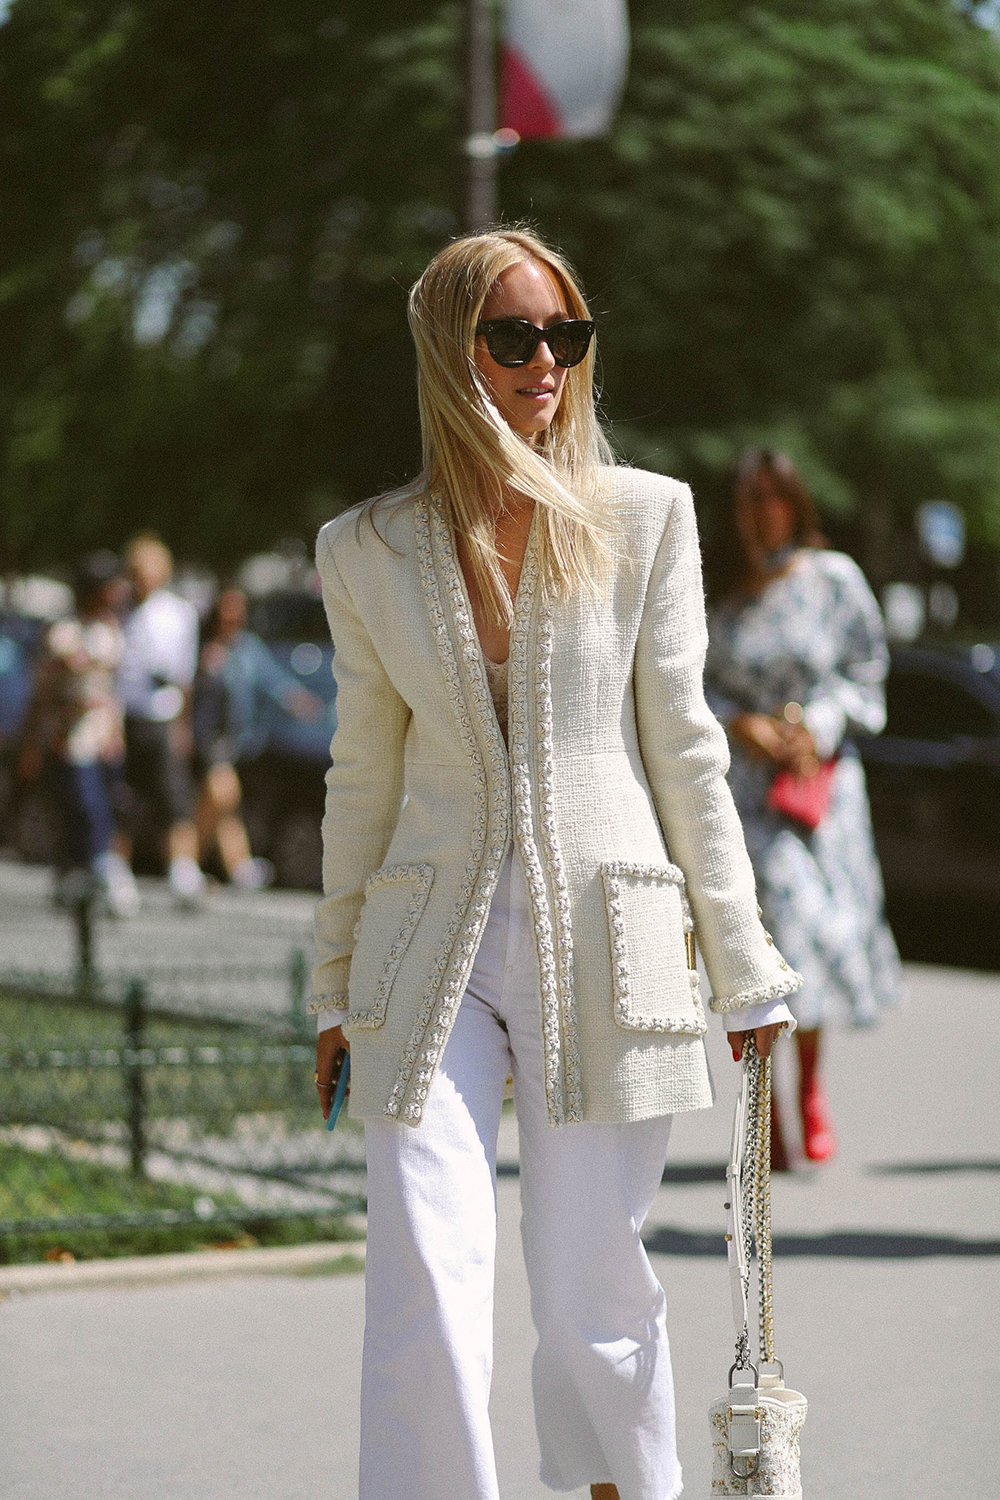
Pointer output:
x,y
126,1124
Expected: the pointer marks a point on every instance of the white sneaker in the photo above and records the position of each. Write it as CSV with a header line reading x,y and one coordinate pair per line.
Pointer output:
x,y
186,881
119,891
253,874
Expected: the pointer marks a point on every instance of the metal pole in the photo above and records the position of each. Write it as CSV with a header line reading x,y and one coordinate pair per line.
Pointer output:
x,y
135,1081
297,974
83,919
480,116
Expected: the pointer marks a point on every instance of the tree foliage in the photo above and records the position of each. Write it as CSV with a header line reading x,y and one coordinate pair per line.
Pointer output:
x,y
792,235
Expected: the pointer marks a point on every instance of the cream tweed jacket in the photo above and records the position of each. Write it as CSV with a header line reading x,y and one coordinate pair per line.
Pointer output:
x,y
614,757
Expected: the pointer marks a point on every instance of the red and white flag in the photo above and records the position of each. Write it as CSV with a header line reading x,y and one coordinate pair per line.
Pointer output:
x,y
563,66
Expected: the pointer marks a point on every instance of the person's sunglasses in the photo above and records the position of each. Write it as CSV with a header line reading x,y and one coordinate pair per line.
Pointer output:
x,y
513,341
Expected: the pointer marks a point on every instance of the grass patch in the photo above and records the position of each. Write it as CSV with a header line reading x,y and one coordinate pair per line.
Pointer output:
x,y
64,1068
50,1021
47,1183
62,1063
38,1183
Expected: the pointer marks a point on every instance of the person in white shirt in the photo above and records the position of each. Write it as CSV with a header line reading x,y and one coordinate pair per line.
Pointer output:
x,y
159,657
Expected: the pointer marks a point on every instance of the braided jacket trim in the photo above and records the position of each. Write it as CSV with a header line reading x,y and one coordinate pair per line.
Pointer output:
x,y
449,976
553,937
723,1005
320,1005
612,873
421,878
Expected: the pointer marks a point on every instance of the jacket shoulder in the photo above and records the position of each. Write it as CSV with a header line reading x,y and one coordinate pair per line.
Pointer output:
x,y
364,532
645,501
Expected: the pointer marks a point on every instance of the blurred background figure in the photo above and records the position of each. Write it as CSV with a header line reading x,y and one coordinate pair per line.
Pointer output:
x,y
796,664
238,679
74,732
159,656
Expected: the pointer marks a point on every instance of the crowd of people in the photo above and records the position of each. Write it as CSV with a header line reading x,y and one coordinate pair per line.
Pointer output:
x,y
139,702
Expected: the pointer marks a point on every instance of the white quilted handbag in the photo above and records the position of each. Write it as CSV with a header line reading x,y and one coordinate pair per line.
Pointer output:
x,y
756,1426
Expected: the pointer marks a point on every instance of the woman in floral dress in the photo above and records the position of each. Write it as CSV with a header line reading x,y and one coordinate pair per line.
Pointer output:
x,y
796,665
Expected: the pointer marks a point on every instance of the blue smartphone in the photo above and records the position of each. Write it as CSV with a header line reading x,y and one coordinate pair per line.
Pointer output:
x,y
340,1090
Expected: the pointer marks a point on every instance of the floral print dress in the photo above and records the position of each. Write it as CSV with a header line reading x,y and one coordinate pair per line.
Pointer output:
x,y
814,636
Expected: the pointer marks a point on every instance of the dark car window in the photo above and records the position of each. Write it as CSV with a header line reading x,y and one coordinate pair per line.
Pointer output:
x,y
929,708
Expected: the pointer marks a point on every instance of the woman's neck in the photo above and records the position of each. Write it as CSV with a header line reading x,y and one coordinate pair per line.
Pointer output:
x,y
512,525
767,568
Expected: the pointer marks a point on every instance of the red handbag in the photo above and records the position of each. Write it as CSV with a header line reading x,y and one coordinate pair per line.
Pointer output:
x,y
803,798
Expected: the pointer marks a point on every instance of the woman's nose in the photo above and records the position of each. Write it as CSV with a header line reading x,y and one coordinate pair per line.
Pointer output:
x,y
542,358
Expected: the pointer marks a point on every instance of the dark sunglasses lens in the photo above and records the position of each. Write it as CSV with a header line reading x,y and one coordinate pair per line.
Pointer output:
x,y
511,343
569,342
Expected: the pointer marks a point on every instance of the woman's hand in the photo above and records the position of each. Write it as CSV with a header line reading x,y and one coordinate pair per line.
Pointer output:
x,y
328,1044
776,739
764,1037
761,736
800,748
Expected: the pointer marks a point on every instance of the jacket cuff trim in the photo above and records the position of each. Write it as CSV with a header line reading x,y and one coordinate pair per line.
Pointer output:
x,y
323,1003
786,985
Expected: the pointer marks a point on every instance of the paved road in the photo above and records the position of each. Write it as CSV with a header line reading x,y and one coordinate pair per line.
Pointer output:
x,y
886,1294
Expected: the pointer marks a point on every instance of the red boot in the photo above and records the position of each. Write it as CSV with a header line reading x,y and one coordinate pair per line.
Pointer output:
x,y
819,1141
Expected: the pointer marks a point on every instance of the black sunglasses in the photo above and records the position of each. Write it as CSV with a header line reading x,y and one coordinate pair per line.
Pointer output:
x,y
513,341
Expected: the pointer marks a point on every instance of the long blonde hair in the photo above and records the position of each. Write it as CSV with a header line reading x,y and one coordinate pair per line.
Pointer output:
x,y
470,454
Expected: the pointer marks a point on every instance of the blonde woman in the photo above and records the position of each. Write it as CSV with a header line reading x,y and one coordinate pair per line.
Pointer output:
x,y
522,736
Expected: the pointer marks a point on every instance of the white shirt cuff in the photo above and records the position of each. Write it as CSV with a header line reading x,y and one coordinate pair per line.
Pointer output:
x,y
769,1013
326,1020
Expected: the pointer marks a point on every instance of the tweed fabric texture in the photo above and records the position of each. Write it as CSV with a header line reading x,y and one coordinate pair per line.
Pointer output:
x,y
614,758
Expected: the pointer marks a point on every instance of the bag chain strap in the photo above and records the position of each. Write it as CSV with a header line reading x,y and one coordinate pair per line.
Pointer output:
x,y
762,1197
756,1202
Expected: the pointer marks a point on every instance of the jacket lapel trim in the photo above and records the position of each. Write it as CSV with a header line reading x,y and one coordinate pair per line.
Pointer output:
x,y
551,918
472,705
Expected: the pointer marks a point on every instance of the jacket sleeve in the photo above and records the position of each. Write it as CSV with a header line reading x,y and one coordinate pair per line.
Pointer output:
x,y
686,758
363,785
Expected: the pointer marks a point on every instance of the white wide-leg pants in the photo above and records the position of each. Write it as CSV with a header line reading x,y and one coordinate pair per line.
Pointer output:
x,y
603,1389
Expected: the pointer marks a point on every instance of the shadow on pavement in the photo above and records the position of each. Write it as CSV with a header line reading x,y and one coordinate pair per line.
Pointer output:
x,y
846,1244
923,1168
676,1172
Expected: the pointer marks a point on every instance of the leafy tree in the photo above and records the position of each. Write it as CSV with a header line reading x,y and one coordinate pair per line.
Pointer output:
x,y
792,235
219,209
795,229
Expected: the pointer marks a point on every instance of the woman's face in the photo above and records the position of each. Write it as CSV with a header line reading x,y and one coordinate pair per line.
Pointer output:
x,y
773,516
527,397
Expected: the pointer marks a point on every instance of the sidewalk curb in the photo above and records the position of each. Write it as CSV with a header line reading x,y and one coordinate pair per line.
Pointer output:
x,y
185,1265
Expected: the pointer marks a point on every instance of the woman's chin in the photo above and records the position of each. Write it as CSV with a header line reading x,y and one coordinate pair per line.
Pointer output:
x,y
531,431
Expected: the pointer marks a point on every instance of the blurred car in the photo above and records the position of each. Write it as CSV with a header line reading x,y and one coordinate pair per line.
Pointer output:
x,y
934,775
284,787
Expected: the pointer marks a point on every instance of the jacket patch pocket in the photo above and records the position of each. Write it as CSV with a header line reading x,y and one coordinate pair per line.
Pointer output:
x,y
395,897
653,979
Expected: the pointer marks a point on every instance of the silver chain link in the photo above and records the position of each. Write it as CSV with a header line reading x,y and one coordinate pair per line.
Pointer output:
x,y
755,1226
